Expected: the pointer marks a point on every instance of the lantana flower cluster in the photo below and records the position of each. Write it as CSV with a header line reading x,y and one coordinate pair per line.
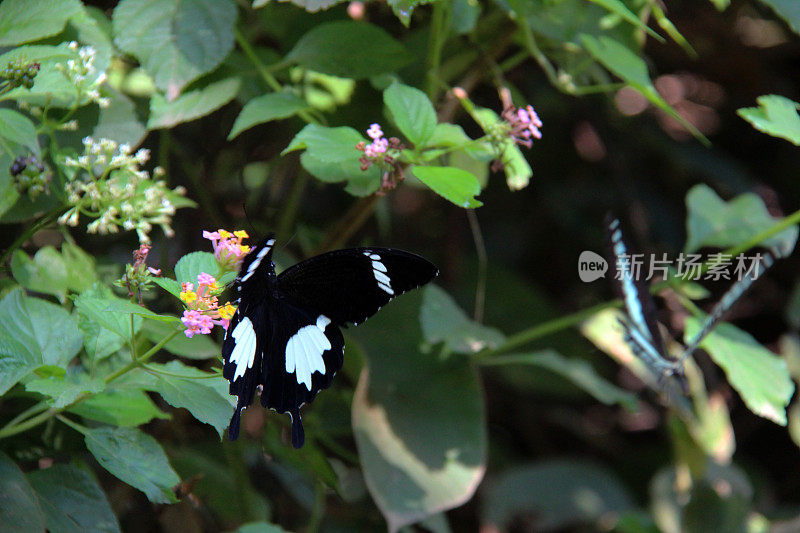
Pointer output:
x,y
137,277
203,310
107,184
523,124
228,247
82,72
384,153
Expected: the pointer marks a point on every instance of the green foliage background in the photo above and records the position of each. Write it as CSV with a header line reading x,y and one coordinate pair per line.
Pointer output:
x,y
500,397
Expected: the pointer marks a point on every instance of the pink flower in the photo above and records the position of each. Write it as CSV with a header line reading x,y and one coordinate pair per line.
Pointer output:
x,y
196,322
375,131
377,147
205,279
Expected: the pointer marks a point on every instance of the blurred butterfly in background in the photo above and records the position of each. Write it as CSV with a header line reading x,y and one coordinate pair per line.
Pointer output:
x,y
285,333
640,324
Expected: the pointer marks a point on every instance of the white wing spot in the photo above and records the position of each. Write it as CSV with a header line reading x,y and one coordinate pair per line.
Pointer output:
x,y
244,353
379,271
304,351
257,261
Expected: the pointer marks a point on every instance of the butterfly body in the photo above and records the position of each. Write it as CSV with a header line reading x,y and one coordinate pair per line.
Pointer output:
x,y
285,336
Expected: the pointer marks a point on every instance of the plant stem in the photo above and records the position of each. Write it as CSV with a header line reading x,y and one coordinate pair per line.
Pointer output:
x,y
141,360
480,248
28,424
352,221
74,425
36,226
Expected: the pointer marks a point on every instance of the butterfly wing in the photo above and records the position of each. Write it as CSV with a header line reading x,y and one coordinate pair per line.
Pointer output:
x,y
641,325
349,286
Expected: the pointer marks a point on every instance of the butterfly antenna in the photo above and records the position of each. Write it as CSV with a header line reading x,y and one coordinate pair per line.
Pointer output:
x,y
725,303
247,219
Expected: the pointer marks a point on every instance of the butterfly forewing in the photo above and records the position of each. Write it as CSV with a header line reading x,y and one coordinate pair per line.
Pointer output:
x,y
350,285
285,334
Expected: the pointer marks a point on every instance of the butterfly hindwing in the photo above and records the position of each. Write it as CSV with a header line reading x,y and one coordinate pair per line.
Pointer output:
x,y
350,285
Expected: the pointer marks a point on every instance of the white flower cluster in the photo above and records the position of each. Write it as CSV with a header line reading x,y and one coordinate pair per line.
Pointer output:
x,y
107,184
81,71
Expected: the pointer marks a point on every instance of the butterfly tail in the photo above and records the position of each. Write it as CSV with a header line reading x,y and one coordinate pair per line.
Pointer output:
x,y
298,433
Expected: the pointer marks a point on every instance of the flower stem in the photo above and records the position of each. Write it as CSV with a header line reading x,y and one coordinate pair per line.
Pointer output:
x,y
36,226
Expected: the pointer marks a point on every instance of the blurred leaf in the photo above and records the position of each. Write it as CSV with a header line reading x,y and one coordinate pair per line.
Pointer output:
x,y
465,14
22,21
411,111
197,347
711,221
578,371
775,115
620,60
260,527
97,305
45,273
349,49
331,156
193,264
265,108
404,8
16,127
794,423
788,10
418,420
34,332
18,503
176,41
72,500
759,376
119,121
620,9
454,184
713,430
64,390
135,458
192,105
560,494
443,321
197,392
119,407
80,267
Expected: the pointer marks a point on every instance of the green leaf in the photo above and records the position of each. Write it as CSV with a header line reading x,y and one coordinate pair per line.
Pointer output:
x,y
64,390
620,9
176,41
788,10
265,108
136,458
72,500
119,407
192,105
260,527
45,273
80,267
193,264
18,503
97,305
578,371
22,21
443,321
197,347
331,156
776,116
710,221
411,111
349,49
119,121
49,333
454,184
561,494
168,284
620,60
205,396
518,171
759,376
418,420
18,128
404,8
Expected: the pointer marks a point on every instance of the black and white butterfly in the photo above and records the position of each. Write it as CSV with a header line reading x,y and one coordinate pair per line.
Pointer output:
x,y
640,324
285,333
